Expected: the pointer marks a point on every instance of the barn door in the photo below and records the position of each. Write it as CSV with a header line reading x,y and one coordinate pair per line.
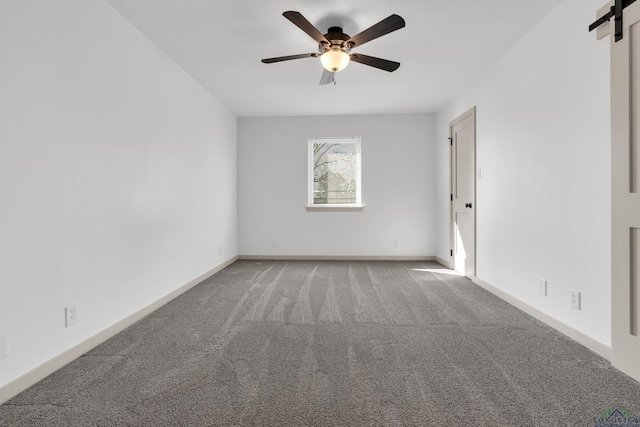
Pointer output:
x,y
625,194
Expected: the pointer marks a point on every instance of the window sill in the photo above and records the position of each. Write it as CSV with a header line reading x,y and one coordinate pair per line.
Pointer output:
x,y
335,207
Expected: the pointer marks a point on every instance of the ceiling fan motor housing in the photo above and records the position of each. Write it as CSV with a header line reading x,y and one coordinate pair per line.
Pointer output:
x,y
338,40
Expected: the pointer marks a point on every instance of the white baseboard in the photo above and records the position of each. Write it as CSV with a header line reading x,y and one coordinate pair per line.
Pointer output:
x,y
334,258
38,373
442,262
592,344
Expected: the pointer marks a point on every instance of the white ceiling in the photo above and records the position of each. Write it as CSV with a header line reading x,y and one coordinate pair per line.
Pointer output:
x,y
444,45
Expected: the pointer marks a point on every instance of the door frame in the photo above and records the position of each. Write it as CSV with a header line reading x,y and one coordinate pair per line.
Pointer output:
x,y
471,112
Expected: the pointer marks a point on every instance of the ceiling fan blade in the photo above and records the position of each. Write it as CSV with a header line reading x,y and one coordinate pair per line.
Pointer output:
x,y
328,77
306,26
290,57
383,64
386,26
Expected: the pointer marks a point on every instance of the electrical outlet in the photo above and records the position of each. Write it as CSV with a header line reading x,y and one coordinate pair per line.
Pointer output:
x,y
542,287
71,315
4,345
575,299
219,250
395,244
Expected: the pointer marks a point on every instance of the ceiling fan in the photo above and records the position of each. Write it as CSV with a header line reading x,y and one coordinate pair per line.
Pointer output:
x,y
334,47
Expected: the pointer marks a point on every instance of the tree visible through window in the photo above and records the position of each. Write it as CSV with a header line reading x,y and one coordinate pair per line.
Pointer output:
x,y
334,169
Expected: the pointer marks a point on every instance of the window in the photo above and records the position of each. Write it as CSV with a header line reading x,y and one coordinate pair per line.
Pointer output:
x,y
334,172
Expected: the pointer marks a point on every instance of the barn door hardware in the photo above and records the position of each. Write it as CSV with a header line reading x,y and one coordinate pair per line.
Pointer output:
x,y
616,13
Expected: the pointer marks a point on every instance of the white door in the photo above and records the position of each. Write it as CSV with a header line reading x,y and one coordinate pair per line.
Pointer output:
x,y
462,132
625,195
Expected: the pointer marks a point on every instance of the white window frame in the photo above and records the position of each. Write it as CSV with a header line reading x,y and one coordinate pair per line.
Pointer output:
x,y
335,206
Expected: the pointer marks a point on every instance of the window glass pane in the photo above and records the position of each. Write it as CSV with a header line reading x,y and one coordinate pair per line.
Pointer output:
x,y
335,172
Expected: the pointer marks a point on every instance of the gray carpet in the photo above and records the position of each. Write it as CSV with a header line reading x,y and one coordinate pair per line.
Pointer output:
x,y
331,344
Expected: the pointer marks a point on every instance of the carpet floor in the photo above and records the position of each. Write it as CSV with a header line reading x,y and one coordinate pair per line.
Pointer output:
x,y
301,343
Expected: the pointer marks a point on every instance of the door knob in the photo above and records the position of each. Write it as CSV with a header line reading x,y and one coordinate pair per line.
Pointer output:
x,y
468,205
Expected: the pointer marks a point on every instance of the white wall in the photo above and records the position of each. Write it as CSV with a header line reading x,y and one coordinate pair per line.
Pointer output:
x,y
118,176
543,200
397,188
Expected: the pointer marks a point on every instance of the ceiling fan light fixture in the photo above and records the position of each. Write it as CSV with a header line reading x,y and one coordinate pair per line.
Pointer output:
x,y
334,60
